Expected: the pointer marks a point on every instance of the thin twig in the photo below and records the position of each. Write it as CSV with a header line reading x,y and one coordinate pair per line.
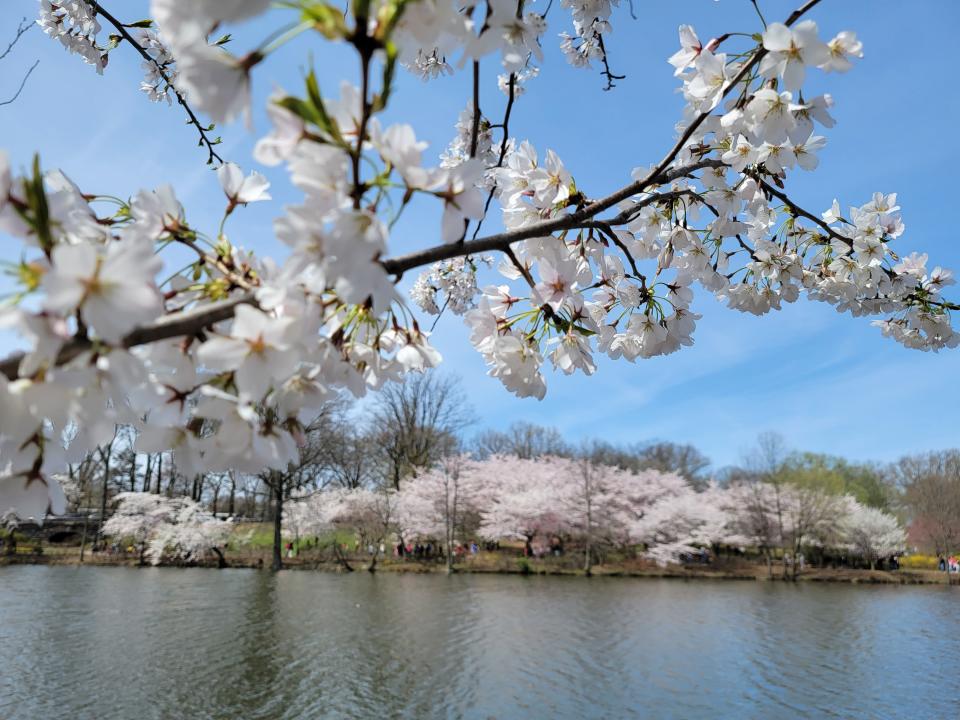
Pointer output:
x,y
24,25
606,66
192,118
22,84
191,322
505,126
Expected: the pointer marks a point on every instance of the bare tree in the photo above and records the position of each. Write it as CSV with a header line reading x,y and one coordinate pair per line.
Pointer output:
x,y
766,501
523,439
308,472
417,422
931,498
685,460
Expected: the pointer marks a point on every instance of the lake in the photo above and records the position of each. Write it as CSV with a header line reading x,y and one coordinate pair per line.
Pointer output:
x,y
170,643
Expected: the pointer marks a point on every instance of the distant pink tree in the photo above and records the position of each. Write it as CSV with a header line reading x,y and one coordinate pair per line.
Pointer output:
x,y
137,517
682,523
173,527
594,502
368,514
523,498
436,503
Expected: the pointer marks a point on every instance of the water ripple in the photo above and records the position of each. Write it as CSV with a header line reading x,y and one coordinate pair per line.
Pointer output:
x,y
120,643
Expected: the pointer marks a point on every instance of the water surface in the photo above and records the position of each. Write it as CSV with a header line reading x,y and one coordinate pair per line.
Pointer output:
x,y
168,643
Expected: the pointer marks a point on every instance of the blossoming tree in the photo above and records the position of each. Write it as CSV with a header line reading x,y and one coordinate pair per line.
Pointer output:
x,y
221,361
872,534
159,526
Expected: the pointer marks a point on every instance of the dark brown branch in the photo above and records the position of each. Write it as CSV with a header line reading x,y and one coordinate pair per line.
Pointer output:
x,y
475,128
657,176
500,241
192,118
21,29
607,73
505,126
798,211
184,324
522,269
365,110
612,236
191,322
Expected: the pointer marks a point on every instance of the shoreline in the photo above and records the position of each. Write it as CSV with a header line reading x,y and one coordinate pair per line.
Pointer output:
x,y
758,574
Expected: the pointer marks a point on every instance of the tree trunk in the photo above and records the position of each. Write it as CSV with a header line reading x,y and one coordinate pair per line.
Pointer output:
x,y
588,549
277,487
233,492
156,489
83,534
148,473
103,493
221,561
341,558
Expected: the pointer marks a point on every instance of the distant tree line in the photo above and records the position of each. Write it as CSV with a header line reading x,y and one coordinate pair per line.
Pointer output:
x,y
407,429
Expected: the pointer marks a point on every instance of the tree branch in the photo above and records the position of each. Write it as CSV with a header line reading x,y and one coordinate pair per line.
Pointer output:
x,y
192,118
657,176
22,84
798,211
21,29
611,77
183,324
500,241
191,322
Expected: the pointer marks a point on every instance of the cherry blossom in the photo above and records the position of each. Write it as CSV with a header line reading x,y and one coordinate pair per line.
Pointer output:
x,y
113,290
241,190
223,360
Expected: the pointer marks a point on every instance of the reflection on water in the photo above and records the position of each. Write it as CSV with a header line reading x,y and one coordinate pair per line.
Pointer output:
x,y
165,643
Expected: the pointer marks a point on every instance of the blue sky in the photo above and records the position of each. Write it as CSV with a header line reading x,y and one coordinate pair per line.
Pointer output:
x,y
827,382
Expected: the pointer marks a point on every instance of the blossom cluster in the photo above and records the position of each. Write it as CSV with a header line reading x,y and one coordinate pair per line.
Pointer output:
x,y
160,526
160,71
75,25
225,360
534,500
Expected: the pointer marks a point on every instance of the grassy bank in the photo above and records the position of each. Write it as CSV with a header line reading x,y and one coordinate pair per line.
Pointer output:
x,y
499,562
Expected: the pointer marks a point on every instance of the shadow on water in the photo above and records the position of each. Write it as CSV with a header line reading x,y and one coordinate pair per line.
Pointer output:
x,y
170,643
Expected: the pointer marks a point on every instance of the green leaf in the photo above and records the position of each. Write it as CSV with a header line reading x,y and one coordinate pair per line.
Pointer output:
x,y
37,200
301,109
148,23
326,19
325,123
224,39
